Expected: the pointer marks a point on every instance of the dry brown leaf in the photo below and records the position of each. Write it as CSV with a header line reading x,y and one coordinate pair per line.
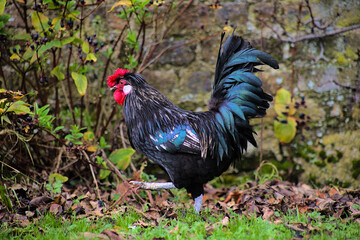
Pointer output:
x,y
89,235
113,234
225,221
267,213
40,200
56,208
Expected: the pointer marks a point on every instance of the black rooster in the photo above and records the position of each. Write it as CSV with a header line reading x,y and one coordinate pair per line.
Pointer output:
x,y
195,147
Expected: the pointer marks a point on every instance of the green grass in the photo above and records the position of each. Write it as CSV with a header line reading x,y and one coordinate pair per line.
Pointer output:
x,y
187,225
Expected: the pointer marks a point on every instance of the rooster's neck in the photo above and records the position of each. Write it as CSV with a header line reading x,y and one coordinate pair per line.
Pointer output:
x,y
146,110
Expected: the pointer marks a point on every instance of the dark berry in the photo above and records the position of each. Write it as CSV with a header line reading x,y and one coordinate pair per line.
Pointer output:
x,y
41,80
307,128
79,50
102,44
80,56
284,121
49,23
96,49
36,36
202,26
62,25
17,129
51,30
94,35
29,119
302,116
46,79
32,46
287,107
95,43
31,108
71,144
14,50
82,2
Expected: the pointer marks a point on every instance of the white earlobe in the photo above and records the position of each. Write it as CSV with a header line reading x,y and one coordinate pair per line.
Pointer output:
x,y
127,89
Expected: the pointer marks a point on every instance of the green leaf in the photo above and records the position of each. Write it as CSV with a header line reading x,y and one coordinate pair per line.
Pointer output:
x,y
90,57
39,21
85,47
19,107
22,36
285,132
28,53
2,6
122,157
57,73
80,82
57,177
5,197
58,128
67,40
104,173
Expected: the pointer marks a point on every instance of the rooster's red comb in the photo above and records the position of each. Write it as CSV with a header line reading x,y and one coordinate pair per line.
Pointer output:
x,y
112,80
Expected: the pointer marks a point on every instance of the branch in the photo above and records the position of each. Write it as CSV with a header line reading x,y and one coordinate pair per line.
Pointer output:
x,y
310,36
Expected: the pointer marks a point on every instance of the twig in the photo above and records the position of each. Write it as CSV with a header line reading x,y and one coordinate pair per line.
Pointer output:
x,y
311,36
93,174
154,59
118,174
152,50
58,160
98,105
322,27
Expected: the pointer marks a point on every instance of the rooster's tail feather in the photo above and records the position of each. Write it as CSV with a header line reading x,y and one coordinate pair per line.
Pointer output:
x,y
237,93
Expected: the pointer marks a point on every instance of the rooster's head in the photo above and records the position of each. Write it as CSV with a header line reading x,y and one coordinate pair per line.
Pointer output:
x,y
117,81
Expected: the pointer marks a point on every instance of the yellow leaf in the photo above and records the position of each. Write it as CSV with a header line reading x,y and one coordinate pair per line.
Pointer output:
x,y
121,3
228,29
15,57
2,6
22,1
285,129
80,82
90,57
39,21
85,47
92,148
88,136
284,103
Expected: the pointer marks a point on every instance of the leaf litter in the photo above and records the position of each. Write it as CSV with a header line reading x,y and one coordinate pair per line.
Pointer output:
x,y
270,201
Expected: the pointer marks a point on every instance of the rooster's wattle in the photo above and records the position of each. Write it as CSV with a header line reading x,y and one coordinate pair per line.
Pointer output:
x,y
195,147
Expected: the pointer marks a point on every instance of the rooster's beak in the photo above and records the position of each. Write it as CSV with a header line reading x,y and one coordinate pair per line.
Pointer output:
x,y
113,88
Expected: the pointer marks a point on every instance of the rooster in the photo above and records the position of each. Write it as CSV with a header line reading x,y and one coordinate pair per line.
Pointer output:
x,y
195,147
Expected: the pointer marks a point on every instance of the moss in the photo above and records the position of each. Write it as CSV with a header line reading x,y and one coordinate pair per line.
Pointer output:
x,y
355,168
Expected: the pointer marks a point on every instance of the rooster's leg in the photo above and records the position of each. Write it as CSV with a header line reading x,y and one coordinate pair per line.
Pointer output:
x,y
198,203
153,185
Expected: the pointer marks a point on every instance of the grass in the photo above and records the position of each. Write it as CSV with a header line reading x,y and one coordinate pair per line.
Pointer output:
x,y
187,225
